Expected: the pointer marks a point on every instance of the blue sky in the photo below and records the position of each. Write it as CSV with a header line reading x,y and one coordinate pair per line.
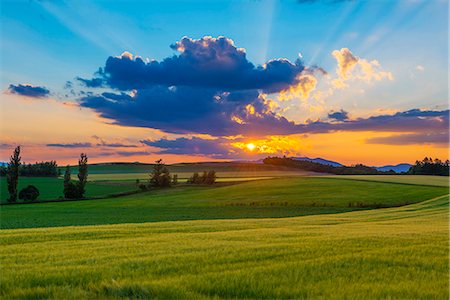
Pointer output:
x,y
47,43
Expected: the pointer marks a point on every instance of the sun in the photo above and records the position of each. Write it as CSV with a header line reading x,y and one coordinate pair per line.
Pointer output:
x,y
250,146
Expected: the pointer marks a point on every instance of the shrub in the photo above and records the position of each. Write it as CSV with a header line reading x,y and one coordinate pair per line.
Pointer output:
x,y
142,187
175,179
205,178
71,191
160,176
29,193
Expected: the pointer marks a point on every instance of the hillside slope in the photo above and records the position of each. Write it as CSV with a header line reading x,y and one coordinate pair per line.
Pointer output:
x,y
386,253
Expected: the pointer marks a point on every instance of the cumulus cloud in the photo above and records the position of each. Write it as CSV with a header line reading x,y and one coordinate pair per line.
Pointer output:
x,y
412,139
207,62
341,115
29,90
306,83
350,67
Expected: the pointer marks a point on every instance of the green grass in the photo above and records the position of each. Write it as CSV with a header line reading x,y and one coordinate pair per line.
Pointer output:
x,y
395,253
51,188
407,179
285,197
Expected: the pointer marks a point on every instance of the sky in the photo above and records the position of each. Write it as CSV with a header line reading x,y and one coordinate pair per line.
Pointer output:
x,y
351,81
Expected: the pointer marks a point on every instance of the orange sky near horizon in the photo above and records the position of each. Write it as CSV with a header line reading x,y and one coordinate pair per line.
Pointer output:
x,y
35,123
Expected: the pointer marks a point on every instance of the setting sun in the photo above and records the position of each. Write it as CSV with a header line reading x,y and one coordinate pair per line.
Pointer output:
x,y
250,147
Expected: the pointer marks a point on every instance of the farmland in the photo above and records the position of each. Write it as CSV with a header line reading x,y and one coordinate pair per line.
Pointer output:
x,y
273,235
386,253
282,197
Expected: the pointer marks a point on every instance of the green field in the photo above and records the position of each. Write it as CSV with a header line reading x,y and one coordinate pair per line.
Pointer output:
x,y
292,237
395,253
283,197
406,179
51,188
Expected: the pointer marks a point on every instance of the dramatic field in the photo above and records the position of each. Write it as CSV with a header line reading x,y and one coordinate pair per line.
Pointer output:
x,y
283,197
396,253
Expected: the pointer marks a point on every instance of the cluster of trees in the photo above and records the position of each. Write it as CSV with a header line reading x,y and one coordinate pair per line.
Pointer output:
x,y
358,169
31,193
429,166
206,178
159,177
38,169
76,190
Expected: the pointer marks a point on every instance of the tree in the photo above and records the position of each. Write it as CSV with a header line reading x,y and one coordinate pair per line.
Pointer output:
x,y
211,177
194,179
70,189
82,174
175,179
12,176
30,193
160,176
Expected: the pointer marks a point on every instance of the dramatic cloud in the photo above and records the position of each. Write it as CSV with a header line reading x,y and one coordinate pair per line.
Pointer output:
x,y
207,62
341,115
29,90
352,67
412,139
190,110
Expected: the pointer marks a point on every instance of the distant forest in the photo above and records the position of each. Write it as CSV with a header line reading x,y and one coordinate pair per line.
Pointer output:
x,y
38,169
427,166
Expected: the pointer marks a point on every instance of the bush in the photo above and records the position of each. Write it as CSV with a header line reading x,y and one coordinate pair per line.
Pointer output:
x,y
160,176
29,193
205,178
142,187
71,191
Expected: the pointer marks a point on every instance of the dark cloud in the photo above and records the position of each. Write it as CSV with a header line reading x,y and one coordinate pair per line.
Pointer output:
x,y
207,63
91,83
29,90
132,153
91,145
218,148
412,139
190,110
71,145
338,115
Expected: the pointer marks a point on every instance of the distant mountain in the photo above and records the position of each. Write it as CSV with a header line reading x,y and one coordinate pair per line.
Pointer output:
x,y
397,168
318,161
3,164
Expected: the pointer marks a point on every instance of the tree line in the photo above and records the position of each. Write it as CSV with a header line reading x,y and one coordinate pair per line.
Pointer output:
x,y
30,192
358,169
161,177
38,169
429,166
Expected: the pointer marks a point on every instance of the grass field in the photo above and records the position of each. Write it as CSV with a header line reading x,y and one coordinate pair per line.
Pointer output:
x,y
51,188
406,179
284,197
395,253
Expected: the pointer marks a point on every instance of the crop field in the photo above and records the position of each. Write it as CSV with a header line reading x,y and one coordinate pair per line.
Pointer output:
x,y
283,197
395,253
406,179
